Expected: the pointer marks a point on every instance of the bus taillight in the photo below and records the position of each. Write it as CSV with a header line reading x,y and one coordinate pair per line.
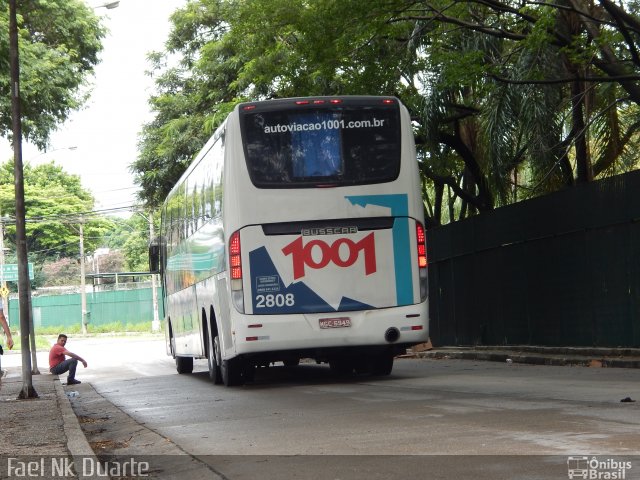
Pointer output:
x,y
235,265
421,240
422,246
235,259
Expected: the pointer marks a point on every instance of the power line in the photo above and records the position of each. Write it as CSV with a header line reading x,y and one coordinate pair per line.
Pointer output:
x,y
73,215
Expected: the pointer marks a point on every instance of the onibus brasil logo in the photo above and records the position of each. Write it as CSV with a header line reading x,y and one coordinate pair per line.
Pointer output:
x,y
596,468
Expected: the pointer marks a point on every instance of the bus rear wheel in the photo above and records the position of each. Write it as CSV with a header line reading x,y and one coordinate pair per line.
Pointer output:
x,y
382,364
213,361
232,372
184,364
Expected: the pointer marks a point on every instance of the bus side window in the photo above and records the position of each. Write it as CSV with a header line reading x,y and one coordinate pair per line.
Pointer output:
x,y
218,175
192,204
202,197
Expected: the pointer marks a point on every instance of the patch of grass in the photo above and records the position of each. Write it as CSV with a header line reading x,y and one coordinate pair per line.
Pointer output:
x,y
55,330
42,342
112,327
46,336
119,327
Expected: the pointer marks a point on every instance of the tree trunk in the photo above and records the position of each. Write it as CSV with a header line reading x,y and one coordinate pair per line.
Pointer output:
x,y
583,162
437,205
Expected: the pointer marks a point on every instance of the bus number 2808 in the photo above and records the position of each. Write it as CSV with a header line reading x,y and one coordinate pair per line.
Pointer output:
x,y
279,300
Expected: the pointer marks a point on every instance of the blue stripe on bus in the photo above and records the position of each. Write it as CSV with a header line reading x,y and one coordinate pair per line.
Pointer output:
x,y
399,205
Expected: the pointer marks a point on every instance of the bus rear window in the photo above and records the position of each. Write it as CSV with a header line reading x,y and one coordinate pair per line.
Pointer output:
x,y
322,146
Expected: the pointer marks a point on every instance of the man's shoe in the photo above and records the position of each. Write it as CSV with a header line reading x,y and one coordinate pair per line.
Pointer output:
x,y
73,381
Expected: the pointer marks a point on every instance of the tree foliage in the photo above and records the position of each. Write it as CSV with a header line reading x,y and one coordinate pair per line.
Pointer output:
x,y
131,237
59,43
55,204
512,99
62,272
111,262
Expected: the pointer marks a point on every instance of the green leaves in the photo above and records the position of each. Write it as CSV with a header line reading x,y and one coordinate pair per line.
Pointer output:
x,y
501,92
54,201
59,42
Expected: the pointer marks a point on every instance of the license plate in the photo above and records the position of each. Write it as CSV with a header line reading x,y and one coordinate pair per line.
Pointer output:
x,y
337,322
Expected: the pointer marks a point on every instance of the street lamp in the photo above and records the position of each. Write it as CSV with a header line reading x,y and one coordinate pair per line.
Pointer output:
x,y
108,5
72,148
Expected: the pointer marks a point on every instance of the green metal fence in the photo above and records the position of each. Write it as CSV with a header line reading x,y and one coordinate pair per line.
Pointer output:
x,y
123,306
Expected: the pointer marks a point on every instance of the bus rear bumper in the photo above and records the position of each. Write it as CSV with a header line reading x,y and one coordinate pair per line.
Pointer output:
x,y
392,328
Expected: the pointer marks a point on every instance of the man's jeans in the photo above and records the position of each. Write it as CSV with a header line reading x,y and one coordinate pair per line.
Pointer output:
x,y
69,364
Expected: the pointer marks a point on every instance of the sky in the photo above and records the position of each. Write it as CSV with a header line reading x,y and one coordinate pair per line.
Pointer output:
x,y
99,142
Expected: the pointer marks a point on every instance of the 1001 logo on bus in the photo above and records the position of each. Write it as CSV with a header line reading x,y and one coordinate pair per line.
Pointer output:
x,y
344,252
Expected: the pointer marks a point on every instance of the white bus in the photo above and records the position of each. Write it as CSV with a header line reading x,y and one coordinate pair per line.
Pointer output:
x,y
297,232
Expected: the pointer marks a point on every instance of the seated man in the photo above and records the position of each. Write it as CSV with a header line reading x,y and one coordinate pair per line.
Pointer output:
x,y
57,363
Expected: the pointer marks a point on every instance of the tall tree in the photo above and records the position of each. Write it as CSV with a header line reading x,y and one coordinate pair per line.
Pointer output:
x,y
131,237
55,203
59,42
511,99
549,88
224,58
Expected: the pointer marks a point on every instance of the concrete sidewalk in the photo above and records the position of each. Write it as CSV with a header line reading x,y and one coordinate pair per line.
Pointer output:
x,y
42,426
46,429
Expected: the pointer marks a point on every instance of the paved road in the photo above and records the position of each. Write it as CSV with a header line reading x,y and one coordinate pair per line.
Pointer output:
x,y
432,407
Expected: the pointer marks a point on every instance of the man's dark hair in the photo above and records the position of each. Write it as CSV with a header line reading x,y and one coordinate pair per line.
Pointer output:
x,y
62,335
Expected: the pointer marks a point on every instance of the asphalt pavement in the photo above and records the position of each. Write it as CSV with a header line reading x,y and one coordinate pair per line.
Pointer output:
x,y
47,426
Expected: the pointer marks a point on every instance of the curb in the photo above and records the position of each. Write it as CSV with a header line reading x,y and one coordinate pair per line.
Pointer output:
x,y
77,443
531,357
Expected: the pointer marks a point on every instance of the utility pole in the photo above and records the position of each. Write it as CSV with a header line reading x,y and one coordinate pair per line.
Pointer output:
x,y
24,286
155,324
3,283
83,289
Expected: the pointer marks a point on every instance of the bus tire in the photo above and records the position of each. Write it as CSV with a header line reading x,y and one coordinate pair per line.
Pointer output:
x,y
248,373
382,364
184,364
231,372
213,361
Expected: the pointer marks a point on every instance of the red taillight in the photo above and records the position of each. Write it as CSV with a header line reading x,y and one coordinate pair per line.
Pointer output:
x,y
388,101
335,101
248,107
422,247
302,102
235,259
